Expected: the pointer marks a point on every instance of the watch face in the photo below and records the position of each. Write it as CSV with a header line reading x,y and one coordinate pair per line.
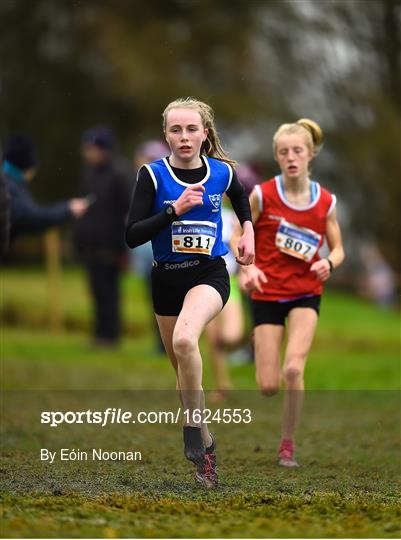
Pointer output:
x,y
169,210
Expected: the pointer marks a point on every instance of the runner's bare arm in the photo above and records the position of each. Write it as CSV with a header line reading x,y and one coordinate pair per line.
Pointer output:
x,y
336,255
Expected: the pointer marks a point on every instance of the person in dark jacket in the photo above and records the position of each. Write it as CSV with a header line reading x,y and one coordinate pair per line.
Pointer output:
x,y
100,232
26,215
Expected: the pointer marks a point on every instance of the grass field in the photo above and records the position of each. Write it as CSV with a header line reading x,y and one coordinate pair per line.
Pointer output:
x,y
349,438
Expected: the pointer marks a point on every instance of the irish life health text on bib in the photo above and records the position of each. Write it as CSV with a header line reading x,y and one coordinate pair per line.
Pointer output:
x,y
196,237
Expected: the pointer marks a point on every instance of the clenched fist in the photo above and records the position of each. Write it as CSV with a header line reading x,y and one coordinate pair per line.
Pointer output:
x,y
192,196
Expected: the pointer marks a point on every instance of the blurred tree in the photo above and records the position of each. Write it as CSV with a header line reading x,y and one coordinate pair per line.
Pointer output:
x,y
367,134
67,65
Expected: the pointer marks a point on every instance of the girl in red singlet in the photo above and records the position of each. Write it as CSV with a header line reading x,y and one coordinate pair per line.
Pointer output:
x,y
292,215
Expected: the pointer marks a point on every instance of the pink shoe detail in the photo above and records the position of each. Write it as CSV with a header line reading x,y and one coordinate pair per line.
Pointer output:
x,y
286,454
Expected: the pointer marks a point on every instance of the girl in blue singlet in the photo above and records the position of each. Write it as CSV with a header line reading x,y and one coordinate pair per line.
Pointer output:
x,y
177,205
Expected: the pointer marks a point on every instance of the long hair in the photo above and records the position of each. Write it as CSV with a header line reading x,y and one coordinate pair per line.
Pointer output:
x,y
212,146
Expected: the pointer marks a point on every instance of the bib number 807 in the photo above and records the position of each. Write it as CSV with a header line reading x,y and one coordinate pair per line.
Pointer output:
x,y
296,245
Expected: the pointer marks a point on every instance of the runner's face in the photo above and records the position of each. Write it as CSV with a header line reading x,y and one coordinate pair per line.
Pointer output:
x,y
185,133
293,155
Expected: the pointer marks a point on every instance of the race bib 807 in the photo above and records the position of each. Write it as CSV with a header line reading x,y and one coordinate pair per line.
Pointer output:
x,y
297,241
193,237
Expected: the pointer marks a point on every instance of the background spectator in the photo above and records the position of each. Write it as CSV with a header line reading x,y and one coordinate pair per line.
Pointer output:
x,y
141,258
100,233
27,216
378,280
4,215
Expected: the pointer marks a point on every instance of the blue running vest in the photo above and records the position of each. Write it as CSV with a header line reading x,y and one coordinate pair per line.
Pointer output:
x,y
198,232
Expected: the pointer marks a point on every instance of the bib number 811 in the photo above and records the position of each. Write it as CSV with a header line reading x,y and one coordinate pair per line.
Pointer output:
x,y
193,237
191,241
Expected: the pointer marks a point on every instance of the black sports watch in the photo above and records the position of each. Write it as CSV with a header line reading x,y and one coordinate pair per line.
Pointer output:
x,y
330,264
170,211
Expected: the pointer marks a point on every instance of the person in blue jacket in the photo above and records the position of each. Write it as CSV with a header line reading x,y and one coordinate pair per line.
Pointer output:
x,y
177,205
4,214
26,215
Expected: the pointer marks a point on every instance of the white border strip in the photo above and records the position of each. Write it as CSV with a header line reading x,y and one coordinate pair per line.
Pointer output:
x,y
152,174
230,173
333,204
173,176
258,191
299,208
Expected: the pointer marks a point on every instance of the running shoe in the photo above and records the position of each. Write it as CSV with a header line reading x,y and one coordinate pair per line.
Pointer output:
x,y
194,449
207,474
286,454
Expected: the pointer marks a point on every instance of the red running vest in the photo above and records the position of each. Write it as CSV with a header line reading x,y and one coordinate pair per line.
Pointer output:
x,y
288,277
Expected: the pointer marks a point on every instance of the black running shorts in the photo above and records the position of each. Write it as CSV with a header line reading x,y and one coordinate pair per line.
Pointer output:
x,y
171,282
265,312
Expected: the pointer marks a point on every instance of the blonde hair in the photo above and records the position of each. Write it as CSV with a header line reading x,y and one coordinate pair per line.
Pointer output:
x,y
212,146
308,128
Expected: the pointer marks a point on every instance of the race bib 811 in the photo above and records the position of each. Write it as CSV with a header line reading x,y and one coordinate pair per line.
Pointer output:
x,y
297,241
193,237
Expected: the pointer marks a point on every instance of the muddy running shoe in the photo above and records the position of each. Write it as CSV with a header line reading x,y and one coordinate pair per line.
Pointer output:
x,y
194,449
286,454
207,474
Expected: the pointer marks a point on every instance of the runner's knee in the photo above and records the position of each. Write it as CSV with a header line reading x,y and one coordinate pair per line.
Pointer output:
x,y
268,383
184,345
292,373
230,340
269,390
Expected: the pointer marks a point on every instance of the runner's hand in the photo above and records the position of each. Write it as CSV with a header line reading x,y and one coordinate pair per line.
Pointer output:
x,y
192,196
78,207
246,245
322,269
251,279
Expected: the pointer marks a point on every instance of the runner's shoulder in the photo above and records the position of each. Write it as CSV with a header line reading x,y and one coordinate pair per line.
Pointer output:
x,y
327,199
145,180
265,188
